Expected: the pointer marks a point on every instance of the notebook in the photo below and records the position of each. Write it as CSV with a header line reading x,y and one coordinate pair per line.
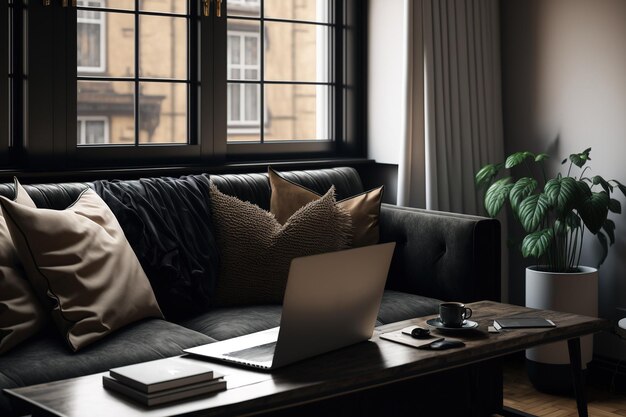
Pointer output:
x,y
163,374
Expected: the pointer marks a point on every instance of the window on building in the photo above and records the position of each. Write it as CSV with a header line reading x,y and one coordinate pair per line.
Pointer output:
x,y
90,37
92,130
243,99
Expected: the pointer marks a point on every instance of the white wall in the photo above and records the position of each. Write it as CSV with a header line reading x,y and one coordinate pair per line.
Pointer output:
x,y
564,76
385,84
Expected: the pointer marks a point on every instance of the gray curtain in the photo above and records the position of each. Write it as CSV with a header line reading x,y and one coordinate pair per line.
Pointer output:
x,y
453,110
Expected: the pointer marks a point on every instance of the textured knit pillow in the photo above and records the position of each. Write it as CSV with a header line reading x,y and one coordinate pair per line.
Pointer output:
x,y
21,315
256,250
80,261
287,197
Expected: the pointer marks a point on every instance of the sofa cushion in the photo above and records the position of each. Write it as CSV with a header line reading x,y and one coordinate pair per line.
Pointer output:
x,y
398,306
79,260
256,251
287,197
228,322
46,358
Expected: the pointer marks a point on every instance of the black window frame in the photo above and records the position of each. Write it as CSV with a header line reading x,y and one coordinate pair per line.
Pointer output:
x,y
5,85
47,117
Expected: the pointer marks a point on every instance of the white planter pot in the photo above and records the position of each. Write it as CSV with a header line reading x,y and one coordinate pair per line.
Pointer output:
x,y
575,293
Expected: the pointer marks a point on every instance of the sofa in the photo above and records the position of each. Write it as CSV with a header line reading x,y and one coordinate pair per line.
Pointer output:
x,y
438,256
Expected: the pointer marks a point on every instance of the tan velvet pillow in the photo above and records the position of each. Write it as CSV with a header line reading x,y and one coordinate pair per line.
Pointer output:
x,y
287,197
256,251
80,261
21,315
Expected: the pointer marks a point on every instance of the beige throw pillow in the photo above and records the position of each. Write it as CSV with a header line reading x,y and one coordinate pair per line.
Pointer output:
x,y
256,250
80,260
287,197
21,315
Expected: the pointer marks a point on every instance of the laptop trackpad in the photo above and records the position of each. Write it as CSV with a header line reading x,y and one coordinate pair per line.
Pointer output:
x,y
260,353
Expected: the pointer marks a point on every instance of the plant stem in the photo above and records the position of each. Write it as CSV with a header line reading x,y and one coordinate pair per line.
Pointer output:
x,y
582,236
570,168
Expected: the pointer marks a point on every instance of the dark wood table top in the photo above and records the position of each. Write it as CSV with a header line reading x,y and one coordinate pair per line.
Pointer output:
x,y
365,365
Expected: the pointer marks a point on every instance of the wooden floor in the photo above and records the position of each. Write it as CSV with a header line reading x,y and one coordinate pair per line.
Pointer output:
x,y
520,394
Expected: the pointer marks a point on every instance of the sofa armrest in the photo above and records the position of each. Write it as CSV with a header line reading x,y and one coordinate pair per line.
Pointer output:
x,y
452,257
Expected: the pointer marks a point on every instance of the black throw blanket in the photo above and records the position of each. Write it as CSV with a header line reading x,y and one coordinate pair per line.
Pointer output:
x,y
167,222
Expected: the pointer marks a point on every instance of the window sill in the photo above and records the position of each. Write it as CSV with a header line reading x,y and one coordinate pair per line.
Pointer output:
x,y
31,177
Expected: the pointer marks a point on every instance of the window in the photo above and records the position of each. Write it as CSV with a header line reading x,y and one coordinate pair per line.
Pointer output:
x,y
144,88
92,130
157,82
90,37
285,85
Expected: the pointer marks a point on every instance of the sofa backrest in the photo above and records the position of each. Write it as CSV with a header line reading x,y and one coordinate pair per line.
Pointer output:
x,y
250,187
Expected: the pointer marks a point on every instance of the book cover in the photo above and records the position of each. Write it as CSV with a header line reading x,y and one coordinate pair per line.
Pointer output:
x,y
522,323
163,374
165,396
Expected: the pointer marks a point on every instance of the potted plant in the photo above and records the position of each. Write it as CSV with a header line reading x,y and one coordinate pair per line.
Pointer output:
x,y
555,213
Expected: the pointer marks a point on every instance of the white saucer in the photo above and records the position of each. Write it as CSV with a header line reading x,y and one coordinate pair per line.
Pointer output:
x,y
467,325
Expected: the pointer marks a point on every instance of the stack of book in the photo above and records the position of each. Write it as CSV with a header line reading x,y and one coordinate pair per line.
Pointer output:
x,y
164,380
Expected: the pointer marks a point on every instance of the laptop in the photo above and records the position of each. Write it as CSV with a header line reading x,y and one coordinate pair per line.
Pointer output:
x,y
331,301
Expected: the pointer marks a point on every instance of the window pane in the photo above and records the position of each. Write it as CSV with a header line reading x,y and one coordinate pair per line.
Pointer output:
x,y
163,113
244,112
105,44
311,10
251,101
296,52
92,131
243,53
166,6
88,43
244,8
110,100
298,112
234,103
107,4
163,47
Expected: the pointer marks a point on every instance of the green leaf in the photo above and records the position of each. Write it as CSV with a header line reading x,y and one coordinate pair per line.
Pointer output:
x,y
541,157
615,206
593,210
486,174
580,159
583,190
621,187
496,195
517,158
609,228
522,189
605,248
604,184
562,193
537,243
532,211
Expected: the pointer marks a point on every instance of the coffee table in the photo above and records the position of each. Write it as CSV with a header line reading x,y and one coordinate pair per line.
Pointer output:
x,y
363,366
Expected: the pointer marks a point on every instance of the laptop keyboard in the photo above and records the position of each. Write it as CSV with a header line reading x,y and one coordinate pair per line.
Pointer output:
x,y
260,353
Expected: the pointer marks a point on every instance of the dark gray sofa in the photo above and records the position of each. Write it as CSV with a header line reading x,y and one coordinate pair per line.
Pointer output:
x,y
439,256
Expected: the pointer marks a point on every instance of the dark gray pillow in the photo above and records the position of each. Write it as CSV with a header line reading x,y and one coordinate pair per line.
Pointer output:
x,y
256,250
